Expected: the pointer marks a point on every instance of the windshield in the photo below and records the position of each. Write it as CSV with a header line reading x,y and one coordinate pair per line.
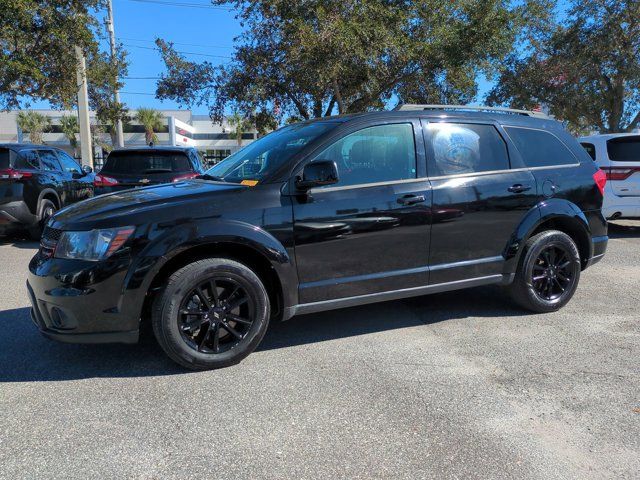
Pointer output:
x,y
138,163
264,156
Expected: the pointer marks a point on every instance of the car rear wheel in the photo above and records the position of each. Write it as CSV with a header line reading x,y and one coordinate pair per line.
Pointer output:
x,y
211,314
46,210
548,273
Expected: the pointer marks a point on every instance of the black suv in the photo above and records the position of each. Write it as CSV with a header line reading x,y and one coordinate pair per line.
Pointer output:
x,y
325,214
139,167
35,181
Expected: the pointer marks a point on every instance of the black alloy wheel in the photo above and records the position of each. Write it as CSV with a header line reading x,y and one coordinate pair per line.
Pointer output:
x,y
548,272
212,313
553,272
215,315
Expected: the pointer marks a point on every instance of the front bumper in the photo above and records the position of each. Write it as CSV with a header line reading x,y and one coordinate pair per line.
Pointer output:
x,y
81,302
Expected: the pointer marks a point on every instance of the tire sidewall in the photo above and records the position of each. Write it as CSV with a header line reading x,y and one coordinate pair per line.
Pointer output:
x,y
169,302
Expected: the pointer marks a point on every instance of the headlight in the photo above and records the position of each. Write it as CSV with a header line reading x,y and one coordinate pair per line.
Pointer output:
x,y
93,245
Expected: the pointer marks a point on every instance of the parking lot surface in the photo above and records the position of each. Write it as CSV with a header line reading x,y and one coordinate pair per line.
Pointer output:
x,y
455,385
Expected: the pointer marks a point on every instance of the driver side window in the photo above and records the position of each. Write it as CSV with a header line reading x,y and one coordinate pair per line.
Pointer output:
x,y
383,153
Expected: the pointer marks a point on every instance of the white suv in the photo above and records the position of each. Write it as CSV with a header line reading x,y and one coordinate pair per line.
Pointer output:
x,y
618,154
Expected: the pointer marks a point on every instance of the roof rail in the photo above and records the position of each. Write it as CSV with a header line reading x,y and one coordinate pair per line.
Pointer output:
x,y
512,111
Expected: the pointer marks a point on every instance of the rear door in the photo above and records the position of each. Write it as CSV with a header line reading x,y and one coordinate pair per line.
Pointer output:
x,y
478,199
53,176
623,172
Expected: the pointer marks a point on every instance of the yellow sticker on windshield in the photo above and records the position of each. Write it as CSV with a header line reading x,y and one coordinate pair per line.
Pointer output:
x,y
249,183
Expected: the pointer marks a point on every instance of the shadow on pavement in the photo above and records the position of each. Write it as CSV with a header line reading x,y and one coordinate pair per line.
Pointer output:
x,y
26,356
628,229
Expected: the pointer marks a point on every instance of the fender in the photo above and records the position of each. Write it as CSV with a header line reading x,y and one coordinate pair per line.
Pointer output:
x,y
45,192
165,243
544,211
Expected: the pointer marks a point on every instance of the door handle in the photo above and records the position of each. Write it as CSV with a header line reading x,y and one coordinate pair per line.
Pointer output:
x,y
519,188
411,199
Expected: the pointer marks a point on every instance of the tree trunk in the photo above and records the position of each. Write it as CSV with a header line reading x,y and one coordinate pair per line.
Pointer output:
x,y
338,96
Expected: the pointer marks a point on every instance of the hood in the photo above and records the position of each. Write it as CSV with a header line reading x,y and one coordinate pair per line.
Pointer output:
x,y
188,199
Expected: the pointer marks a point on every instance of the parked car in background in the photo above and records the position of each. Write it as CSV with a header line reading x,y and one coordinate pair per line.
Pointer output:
x,y
618,155
35,182
139,167
325,214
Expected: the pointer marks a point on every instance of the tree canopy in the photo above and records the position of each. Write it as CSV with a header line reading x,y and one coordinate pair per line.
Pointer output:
x,y
585,69
321,57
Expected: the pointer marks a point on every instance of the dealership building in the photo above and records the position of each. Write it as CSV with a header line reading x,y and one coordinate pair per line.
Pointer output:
x,y
181,127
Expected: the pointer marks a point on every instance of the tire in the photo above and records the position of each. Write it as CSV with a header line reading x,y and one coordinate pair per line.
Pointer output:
x,y
540,284
205,340
45,211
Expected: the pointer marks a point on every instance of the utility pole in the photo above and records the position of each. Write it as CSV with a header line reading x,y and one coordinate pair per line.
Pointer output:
x,y
116,94
83,109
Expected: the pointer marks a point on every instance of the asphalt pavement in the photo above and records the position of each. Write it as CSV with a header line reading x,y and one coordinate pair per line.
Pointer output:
x,y
457,385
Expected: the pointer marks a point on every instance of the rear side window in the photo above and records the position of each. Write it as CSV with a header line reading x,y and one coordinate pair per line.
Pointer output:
x,y
146,163
466,148
624,149
590,148
49,160
539,148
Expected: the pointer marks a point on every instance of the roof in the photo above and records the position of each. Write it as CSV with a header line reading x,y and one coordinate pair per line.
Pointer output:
x,y
609,136
20,146
155,148
462,114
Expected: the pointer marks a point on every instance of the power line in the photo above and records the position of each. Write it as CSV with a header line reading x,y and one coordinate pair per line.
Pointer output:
x,y
138,93
176,43
140,78
182,4
178,51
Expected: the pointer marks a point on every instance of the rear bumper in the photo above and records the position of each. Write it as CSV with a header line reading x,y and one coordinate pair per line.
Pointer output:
x,y
16,214
599,249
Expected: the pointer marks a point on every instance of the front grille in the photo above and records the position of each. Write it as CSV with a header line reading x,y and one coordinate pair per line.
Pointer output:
x,y
51,235
48,242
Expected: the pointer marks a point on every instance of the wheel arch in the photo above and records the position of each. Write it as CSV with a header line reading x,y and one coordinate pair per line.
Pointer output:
x,y
246,244
48,194
552,214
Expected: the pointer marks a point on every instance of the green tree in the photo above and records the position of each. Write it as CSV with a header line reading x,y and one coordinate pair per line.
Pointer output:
x,y
36,124
152,121
37,40
240,125
585,69
319,57
69,127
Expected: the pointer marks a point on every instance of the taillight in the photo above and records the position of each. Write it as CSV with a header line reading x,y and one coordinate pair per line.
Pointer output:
x,y
11,174
104,181
619,173
601,180
185,177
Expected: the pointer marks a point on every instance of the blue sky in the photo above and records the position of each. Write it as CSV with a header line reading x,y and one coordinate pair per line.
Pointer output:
x,y
195,26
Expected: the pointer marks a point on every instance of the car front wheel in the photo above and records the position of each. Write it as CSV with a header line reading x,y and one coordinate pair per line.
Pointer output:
x,y
211,314
548,272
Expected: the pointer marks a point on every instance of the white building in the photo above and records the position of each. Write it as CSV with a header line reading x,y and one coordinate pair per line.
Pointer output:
x,y
182,127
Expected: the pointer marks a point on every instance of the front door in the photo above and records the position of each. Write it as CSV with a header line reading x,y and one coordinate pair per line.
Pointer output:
x,y
479,199
369,233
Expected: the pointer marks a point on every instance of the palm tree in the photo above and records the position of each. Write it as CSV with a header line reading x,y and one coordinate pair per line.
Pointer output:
x,y
240,125
35,123
69,127
151,120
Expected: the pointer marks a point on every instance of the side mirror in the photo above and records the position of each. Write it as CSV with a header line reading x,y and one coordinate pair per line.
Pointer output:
x,y
318,174
86,169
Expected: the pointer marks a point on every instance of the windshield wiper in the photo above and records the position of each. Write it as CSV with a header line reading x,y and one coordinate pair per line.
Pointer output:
x,y
206,176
